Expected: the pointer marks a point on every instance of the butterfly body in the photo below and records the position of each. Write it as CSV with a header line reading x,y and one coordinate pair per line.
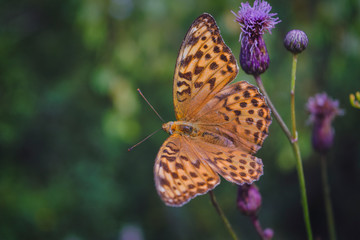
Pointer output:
x,y
193,130
219,125
182,128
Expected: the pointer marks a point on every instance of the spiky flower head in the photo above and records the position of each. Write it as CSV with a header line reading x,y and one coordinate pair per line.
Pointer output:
x,y
322,111
296,41
254,22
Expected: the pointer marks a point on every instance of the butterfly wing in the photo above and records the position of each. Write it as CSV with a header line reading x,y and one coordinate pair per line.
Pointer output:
x,y
238,116
233,164
204,66
181,173
234,124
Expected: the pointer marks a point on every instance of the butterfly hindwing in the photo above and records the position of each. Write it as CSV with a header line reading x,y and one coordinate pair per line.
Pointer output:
x,y
180,173
231,163
204,66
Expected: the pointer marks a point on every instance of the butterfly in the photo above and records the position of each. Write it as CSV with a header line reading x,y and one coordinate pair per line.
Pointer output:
x,y
219,125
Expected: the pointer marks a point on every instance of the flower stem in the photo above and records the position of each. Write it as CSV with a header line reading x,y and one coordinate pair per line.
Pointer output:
x,y
222,215
272,107
292,95
301,177
296,150
258,227
294,144
327,199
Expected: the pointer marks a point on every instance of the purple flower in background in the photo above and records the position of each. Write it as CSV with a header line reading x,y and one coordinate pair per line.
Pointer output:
x,y
249,199
254,22
322,111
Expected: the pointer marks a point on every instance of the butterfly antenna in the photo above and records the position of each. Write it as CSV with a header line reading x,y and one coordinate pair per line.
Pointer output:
x,y
129,149
150,105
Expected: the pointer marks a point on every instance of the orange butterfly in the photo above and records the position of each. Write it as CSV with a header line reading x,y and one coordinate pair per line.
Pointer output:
x,y
219,126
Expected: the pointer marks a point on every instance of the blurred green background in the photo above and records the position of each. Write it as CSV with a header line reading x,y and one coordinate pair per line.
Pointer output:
x,y
69,110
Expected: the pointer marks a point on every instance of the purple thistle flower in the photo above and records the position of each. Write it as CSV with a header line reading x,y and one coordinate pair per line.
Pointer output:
x,y
248,199
322,111
254,22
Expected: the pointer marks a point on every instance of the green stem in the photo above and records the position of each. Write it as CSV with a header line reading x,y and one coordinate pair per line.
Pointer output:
x,y
294,144
327,199
301,177
222,215
296,150
292,95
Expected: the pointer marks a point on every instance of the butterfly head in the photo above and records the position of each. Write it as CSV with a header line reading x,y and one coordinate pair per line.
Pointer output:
x,y
168,127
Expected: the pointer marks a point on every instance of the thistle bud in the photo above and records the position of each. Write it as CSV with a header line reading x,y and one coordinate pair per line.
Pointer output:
x,y
249,199
296,41
268,233
254,60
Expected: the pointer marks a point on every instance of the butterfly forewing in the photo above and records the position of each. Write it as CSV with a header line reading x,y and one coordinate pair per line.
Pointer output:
x,y
238,113
204,66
